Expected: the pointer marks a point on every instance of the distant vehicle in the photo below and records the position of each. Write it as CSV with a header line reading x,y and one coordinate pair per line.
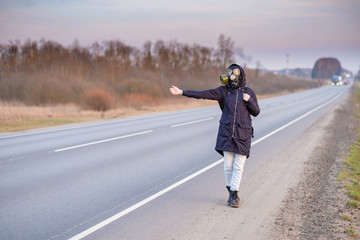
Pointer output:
x,y
336,80
346,78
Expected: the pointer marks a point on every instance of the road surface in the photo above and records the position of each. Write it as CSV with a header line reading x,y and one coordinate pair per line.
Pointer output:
x,y
155,176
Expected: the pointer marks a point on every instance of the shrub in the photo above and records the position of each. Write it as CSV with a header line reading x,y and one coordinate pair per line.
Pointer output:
x,y
353,204
351,232
98,99
346,217
38,89
137,87
138,101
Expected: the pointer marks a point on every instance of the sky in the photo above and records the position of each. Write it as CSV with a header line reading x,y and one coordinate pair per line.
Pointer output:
x,y
274,34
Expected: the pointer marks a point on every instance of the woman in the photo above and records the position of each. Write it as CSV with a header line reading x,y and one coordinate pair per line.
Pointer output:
x,y
235,130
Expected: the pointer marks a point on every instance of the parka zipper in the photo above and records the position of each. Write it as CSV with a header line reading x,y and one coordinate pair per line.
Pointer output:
x,y
237,96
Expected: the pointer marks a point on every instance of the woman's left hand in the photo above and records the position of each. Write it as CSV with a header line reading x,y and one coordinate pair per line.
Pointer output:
x,y
246,97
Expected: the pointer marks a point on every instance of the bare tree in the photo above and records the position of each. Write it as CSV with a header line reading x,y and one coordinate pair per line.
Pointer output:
x,y
118,56
162,55
224,54
14,56
148,59
97,55
29,55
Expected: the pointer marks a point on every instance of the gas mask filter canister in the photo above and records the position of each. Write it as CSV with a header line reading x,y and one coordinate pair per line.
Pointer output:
x,y
224,79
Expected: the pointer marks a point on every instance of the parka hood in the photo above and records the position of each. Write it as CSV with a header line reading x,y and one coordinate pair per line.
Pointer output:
x,y
242,72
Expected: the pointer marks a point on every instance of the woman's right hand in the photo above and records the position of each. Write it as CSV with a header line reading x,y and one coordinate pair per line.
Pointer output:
x,y
175,90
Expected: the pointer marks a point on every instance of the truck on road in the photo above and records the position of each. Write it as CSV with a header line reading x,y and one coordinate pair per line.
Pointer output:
x,y
336,80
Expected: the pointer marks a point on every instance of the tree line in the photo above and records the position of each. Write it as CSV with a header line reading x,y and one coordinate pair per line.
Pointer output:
x,y
113,61
112,65
46,72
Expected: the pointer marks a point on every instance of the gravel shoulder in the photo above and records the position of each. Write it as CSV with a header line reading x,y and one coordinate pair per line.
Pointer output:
x,y
297,199
313,209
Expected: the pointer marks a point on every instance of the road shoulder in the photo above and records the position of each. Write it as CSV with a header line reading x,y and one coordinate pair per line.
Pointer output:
x,y
313,209
276,198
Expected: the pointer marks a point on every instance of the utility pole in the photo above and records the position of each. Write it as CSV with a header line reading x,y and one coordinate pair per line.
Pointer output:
x,y
287,64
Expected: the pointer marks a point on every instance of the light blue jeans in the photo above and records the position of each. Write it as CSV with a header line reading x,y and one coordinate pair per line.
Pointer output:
x,y
233,167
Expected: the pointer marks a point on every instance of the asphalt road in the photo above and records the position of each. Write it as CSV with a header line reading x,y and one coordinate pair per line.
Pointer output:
x,y
145,177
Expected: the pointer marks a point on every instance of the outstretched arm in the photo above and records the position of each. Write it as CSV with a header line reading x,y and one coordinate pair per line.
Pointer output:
x,y
175,90
210,94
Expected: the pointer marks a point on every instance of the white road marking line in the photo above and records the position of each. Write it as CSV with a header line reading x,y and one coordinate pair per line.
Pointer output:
x,y
30,133
158,194
294,121
59,128
187,123
141,203
102,141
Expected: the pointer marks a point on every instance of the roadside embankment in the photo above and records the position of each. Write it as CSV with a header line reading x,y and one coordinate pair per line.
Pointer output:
x,y
318,206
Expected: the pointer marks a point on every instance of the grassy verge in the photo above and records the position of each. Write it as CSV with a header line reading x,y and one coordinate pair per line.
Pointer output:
x,y
18,117
25,124
351,176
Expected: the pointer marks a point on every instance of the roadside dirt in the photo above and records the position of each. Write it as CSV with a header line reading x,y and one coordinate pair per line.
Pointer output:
x,y
313,209
296,199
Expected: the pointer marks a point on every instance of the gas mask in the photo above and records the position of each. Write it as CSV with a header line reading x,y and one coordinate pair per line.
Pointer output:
x,y
233,77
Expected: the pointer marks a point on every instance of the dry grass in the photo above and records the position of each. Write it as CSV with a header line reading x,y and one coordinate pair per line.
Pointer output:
x,y
19,117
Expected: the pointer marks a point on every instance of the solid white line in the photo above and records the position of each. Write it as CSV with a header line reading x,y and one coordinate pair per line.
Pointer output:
x,y
143,202
294,121
102,141
187,123
158,194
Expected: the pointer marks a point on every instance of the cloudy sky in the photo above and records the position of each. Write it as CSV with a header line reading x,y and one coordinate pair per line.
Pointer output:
x,y
266,30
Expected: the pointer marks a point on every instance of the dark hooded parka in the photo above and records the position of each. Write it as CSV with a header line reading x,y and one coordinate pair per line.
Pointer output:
x,y
235,129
